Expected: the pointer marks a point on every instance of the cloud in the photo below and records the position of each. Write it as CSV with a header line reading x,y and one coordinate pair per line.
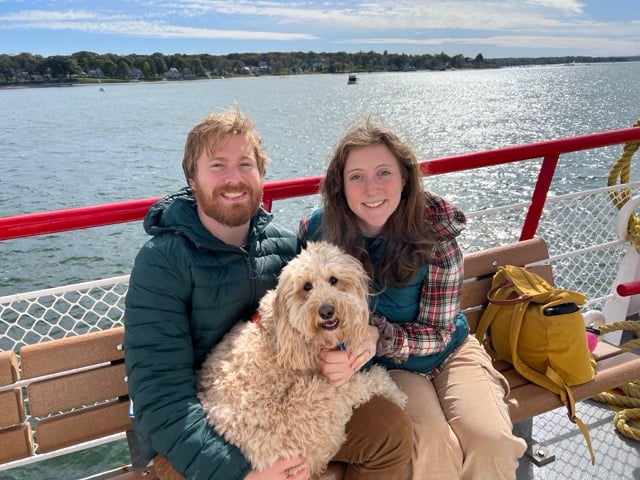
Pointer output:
x,y
397,14
562,5
305,16
508,41
588,45
557,24
28,16
84,21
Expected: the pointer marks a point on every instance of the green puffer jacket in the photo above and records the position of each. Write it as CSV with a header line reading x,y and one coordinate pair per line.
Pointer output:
x,y
187,289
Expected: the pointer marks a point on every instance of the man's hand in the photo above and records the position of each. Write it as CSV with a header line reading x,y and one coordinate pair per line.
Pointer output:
x,y
280,470
338,366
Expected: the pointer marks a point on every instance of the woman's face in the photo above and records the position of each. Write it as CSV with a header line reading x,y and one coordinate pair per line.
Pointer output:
x,y
372,185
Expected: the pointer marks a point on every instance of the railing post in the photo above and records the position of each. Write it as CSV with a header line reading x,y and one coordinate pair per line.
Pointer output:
x,y
539,197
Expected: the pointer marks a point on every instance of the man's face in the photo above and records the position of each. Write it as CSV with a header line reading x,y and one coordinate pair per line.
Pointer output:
x,y
227,184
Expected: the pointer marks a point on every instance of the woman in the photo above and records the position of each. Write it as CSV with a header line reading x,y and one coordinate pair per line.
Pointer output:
x,y
376,208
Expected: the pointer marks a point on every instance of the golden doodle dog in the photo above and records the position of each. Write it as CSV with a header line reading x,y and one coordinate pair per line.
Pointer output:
x,y
261,387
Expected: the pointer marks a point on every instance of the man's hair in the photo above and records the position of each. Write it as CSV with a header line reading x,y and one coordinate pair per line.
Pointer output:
x,y
213,131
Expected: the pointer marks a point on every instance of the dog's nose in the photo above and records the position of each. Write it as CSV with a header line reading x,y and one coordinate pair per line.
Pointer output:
x,y
326,311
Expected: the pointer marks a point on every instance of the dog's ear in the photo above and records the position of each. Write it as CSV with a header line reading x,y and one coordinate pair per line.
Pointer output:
x,y
279,302
355,281
267,304
291,351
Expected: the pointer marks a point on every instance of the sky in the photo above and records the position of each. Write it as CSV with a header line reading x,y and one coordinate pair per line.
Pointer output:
x,y
493,28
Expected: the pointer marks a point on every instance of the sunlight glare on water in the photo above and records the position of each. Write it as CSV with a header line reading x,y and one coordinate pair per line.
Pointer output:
x,y
71,147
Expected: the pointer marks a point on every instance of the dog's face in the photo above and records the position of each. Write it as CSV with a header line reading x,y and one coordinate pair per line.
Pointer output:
x,y
320,301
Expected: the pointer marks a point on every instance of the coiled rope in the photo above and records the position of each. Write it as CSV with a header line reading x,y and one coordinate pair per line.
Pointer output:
x,y
621,171
629,399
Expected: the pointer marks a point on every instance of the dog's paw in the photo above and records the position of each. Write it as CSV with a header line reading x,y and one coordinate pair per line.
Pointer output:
x,y
381,383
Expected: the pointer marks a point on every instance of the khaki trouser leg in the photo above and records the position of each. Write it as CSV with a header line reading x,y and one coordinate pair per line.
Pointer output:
x,y
461,423
436,450
472,394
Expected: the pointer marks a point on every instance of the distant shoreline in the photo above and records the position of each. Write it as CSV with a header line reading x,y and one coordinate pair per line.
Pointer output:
x,y
74,83
86,68
111,81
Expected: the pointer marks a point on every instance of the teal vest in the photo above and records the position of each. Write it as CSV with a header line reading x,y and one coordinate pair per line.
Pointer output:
x,y
399,305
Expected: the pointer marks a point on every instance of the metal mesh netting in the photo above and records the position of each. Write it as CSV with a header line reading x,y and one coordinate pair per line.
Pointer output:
x,y
61,312
580,230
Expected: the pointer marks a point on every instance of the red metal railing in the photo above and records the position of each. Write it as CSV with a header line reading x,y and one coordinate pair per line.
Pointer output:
x,y
121,212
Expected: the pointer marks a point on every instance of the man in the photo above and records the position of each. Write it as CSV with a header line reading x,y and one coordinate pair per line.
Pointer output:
x,y
213,255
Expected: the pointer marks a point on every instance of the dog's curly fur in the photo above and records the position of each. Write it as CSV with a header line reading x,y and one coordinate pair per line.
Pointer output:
x,y
261,387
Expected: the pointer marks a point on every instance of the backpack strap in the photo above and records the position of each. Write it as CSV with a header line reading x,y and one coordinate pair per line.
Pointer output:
x,y
551,380
506,282
484,323
492,309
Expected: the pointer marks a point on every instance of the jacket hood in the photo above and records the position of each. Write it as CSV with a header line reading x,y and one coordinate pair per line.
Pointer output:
x,y
447,220
178,213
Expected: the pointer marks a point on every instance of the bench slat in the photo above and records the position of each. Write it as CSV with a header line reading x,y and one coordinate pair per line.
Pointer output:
x,y
11,404
475,290
16,443
474,293
605,350
71,352
81,388
479,268
8,368
473,318
83,425
478,264
146,473
530,400
11,408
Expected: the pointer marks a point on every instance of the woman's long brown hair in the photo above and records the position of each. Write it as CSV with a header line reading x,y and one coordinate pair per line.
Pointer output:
x,y
407,236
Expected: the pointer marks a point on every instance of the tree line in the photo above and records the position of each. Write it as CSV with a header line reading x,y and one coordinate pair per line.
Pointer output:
x,y
27,67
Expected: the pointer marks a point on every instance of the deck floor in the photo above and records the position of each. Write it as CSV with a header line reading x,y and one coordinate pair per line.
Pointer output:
x,y
617,457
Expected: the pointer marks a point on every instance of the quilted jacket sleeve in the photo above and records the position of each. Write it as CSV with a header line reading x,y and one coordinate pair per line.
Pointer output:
x,y
160,367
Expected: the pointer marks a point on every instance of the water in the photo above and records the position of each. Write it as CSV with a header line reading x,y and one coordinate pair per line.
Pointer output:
x,y
70,147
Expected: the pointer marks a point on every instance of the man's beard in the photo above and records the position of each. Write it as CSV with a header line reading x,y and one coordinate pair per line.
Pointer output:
x,y
234,215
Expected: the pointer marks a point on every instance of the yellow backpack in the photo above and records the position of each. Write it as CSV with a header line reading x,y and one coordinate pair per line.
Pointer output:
x,y
540,330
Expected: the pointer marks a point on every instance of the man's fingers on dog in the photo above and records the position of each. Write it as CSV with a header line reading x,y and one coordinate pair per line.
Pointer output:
x,y
294,467
297,469
360,359
302,474
333,356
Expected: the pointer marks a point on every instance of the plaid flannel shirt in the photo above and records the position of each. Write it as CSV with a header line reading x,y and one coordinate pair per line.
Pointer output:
x,y
440,291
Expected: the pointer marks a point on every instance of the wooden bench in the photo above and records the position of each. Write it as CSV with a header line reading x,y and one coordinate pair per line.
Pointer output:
x,y
526,400
76,389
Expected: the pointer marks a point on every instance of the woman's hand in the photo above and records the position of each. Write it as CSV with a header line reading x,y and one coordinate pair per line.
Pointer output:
x,y
338,366
281,469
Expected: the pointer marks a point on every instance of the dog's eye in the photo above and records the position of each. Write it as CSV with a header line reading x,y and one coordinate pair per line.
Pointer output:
x,y
333,281
307,287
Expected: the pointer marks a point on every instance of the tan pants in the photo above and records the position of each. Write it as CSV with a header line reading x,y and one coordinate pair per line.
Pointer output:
x,y
460,420
378,446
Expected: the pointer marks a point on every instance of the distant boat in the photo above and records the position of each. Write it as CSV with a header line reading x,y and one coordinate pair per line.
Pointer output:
x,y
352,80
